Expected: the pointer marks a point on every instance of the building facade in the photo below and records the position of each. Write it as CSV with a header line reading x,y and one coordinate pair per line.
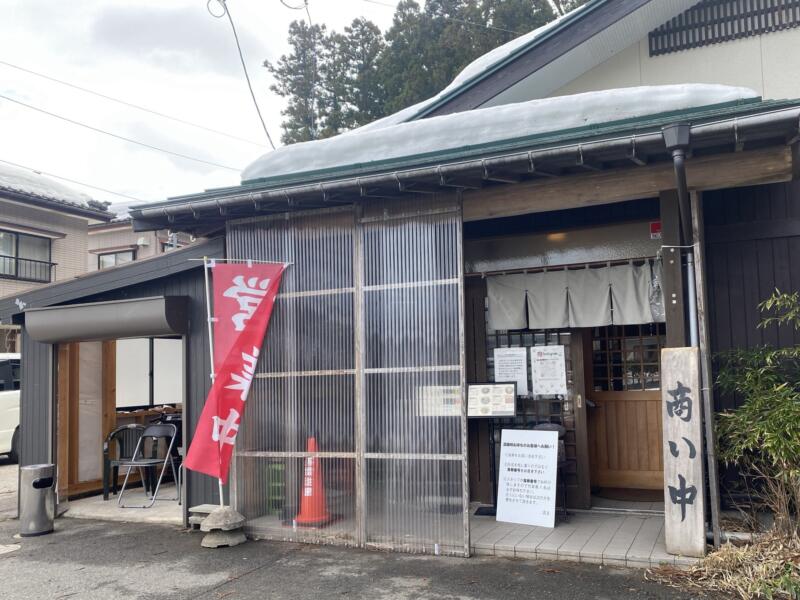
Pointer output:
x,y
573,222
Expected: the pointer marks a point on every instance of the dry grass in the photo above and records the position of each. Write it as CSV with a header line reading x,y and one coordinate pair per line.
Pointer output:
x,y
768,568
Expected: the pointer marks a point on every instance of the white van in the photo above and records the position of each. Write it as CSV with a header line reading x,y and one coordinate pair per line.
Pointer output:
x,y
9,405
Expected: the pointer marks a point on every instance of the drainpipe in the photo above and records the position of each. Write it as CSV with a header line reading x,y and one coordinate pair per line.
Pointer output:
x,y
677,138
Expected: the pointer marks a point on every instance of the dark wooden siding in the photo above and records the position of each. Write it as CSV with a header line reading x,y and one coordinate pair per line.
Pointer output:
x,y
37,378
753,246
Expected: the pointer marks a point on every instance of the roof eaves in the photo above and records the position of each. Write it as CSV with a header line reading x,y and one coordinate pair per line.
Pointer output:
x,y
536,141
65,206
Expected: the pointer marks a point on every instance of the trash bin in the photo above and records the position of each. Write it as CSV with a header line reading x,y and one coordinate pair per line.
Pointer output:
x,y
37,499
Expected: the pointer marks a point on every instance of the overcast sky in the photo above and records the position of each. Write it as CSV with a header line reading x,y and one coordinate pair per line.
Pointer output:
x,y
168,55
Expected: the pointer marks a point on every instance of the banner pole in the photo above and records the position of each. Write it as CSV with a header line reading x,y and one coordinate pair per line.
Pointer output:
x,y
209,321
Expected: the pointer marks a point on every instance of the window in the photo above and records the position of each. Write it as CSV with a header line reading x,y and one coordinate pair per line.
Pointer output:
x,y
25,257
626,358
112,259
9,374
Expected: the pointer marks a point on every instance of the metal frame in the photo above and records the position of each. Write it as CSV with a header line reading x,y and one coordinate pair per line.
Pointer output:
x,y
17,258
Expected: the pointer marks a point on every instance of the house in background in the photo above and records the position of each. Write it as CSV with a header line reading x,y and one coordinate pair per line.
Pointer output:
x,y
114,242
44,228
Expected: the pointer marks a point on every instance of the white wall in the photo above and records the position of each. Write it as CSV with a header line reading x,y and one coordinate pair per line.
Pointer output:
x,y
769,64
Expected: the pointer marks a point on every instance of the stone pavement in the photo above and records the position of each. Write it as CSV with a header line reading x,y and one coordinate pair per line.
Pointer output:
x,y
92,559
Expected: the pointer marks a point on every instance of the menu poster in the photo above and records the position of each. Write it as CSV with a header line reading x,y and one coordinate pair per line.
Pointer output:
x,y
548,370
439,401
491,400
511,364
526,490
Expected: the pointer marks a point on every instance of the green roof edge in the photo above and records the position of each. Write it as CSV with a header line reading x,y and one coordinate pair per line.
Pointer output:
x,y
508,145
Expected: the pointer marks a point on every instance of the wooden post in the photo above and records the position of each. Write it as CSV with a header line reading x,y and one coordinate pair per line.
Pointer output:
x,y
682,419
698,227
672,272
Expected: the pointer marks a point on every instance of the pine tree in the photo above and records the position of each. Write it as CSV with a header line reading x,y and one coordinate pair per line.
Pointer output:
x,y
297,78
333,102
365,92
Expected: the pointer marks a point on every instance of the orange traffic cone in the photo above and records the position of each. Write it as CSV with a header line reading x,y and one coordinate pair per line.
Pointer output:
x,y
313,508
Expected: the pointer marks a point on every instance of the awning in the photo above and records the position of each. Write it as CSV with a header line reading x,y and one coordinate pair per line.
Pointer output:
x,y
143,317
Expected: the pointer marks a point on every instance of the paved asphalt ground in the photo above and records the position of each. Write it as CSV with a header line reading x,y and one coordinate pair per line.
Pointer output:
x,y
90,559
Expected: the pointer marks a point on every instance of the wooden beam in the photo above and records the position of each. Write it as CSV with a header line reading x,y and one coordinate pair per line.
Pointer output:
x,y
755,167
62,420
109,418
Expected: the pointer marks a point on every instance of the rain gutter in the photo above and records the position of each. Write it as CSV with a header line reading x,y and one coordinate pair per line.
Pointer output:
x,y
736,130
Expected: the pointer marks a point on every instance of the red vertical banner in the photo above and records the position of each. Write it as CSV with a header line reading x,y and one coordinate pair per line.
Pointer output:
x,y
243,299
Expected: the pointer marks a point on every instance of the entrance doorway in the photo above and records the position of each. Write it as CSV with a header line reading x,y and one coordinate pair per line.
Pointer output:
x,y
624,414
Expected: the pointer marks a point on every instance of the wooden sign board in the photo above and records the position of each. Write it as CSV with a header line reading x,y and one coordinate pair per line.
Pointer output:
x,y
684,483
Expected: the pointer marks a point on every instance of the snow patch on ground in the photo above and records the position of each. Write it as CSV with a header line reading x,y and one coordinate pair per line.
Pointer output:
x,y
485,125
30,183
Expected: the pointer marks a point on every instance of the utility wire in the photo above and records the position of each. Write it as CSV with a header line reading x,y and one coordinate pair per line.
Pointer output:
x,y
129,104
227,12
88,185
471,23
119,137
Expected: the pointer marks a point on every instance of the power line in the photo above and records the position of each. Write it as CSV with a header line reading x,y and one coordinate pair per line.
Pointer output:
x,y
457,20
227,12
119,137
129,104
88,185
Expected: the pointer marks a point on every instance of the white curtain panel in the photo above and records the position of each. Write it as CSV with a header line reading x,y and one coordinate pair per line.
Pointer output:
x,y
547,300
507,301
630,294
589,298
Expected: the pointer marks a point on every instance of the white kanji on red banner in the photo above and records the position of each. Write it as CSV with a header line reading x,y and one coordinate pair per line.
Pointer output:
x,y
243,299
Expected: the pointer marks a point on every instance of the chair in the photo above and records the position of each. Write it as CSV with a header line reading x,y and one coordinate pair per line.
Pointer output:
x,y
126,438
152,434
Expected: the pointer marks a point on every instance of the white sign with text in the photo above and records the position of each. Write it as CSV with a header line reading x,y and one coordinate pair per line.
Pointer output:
x,y
526,490
511,364
548,370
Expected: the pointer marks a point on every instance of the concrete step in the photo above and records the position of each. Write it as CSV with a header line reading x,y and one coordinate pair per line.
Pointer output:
x,y
204,509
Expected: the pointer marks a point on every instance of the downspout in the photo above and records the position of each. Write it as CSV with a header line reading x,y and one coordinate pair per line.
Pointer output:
x,y
677,138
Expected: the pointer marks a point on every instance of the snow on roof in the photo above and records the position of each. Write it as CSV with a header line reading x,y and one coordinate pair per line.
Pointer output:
x,y
31,183
485,125
473,69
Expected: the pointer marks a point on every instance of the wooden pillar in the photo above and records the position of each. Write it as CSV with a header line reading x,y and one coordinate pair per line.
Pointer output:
x,y
706,374
672,271
478,429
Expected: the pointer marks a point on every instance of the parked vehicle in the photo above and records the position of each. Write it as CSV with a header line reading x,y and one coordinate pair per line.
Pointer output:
x,y
9,405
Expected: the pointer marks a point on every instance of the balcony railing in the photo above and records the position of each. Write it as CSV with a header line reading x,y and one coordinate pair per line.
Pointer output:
x,y
26,269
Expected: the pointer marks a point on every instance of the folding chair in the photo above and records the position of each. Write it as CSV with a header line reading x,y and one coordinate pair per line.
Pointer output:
x,y
152,433
126,438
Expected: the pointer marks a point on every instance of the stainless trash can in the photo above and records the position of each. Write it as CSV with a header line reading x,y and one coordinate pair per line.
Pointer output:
x,y
37,499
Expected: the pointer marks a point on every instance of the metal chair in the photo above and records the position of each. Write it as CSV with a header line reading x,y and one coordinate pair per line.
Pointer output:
x,y
126,438
153,434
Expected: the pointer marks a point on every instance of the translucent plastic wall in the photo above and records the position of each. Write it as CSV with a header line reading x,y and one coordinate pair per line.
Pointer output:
x,y
364,355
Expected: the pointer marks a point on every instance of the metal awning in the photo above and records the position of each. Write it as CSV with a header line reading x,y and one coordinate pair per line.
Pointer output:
x,y
144,317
